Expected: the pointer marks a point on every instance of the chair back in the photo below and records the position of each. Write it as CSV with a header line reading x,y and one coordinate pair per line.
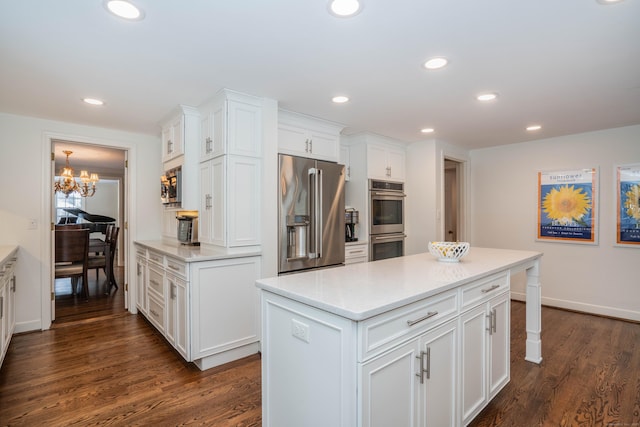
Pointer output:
x,y
72,245
112,239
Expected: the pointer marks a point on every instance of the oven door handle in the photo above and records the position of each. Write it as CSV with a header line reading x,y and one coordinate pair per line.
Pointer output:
x,y
377,193
394,237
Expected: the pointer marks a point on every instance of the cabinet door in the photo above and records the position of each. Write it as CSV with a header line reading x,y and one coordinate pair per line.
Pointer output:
x,y
377,162
499,344
244,129
390,388
4,318
206,203
396,164
473,328
206,136
167,142
218,201
141,289
243,201
324,146
439,359
176,330
293,140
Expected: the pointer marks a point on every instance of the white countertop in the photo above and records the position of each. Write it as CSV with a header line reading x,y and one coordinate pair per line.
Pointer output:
x,y
360,291
197,253
6,251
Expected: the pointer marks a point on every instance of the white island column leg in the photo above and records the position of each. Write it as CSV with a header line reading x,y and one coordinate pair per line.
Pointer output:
x,y
534,314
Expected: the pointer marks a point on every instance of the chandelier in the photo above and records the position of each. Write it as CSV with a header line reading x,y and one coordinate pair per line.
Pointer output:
x,y
67,184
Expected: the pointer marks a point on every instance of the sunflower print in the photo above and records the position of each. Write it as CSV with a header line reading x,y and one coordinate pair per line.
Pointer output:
x,y
632,202
566,204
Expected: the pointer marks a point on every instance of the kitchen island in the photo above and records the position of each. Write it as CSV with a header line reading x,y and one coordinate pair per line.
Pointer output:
x,y
404,341
202,299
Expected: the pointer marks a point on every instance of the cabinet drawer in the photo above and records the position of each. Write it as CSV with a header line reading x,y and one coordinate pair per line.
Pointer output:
x,y
355,251
141,252
386,330
156,282
156,313
481,290
177,267
156,257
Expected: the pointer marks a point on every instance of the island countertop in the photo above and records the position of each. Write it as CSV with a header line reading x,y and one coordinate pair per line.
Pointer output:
x,y
361,291
197,253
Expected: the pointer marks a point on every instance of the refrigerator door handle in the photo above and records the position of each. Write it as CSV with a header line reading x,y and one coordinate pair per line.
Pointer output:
x,y
319,210
313,211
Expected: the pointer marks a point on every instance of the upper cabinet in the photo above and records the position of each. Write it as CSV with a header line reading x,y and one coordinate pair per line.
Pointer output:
x,y
231,123
177,130
306,136
386,162
345,159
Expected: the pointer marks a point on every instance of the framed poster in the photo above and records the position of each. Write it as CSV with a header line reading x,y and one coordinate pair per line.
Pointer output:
x,y
628,205
567,201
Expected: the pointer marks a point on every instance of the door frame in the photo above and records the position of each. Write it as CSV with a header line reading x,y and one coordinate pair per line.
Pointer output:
x,y
462,199
127,229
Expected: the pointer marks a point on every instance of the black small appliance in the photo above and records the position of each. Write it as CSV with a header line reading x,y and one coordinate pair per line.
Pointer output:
x,y
351,217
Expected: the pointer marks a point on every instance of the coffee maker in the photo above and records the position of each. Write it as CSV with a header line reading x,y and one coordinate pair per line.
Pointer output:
x,y
351,217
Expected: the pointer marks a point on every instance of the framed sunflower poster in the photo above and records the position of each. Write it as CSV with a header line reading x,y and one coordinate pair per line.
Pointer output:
x,y
567,206
628,205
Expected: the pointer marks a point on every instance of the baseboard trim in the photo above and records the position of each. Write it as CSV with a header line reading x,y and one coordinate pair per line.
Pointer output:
x,y
599,310
31,326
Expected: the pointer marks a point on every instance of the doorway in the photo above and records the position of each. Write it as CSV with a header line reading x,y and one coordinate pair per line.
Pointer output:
x,y
105,207
453,205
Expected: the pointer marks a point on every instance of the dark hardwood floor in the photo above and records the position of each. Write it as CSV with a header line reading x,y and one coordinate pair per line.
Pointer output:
x,y
117,370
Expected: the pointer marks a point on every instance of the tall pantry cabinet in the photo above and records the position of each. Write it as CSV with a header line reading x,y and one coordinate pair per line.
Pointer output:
x,y
230,170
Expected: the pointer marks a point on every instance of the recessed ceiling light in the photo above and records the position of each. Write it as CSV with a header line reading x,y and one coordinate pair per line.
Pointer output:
x,y
436,63
340,99
124,9
487,96
608,1
93,101
344,8
533,127
427,130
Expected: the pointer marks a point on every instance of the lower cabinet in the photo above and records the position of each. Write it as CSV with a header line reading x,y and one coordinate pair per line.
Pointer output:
x,y
7,302
414,384
356,252
207,310
485,353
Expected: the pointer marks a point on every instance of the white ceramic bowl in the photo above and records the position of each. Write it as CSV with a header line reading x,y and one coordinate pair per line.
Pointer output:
x,y
448,251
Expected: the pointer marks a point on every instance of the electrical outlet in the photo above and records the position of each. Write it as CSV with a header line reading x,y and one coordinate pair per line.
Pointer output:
x,y
300,330
32,225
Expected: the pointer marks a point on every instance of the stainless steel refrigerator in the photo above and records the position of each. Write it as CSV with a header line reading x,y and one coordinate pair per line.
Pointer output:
x,y
311,213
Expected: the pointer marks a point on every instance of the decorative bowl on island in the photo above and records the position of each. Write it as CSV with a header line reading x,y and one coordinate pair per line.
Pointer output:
x,y
448,251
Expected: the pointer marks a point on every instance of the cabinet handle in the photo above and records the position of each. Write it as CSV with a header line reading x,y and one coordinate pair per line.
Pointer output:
x,y
1,307
356,252
484,291
173,267
169,147
429,314
138,270
311,145
207,201
492,322
154,313
153,282
349,171
13,283
208,145
422,370
306,145
388,170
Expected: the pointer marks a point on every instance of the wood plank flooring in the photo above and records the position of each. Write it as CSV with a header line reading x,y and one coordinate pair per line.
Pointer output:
x,y
117,370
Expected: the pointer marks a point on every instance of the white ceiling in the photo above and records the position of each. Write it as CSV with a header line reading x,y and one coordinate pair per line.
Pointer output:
x,y
571,65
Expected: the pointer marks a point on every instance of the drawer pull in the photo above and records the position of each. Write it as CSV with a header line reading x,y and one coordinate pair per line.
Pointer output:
x,y
154,313
173,267
356,252
429,314
484,291
154,283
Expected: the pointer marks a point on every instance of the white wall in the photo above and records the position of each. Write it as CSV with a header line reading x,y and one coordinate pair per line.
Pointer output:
x,y
106,200
600,279
26,174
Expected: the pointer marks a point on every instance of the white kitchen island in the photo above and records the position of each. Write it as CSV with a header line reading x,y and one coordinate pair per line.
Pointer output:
x,y
400,342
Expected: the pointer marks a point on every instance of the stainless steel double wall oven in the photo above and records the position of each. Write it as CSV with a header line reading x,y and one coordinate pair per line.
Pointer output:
x,y
386,219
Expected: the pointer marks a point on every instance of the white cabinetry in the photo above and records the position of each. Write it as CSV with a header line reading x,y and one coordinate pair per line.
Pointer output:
x,y
386,162
173,138
141,274
230,201
345,159
231,123
207,310
356,252
305,136
230,170
7,301
485,341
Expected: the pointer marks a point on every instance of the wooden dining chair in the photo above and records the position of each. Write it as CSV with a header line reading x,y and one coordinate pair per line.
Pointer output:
x,y
72,253
105,260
